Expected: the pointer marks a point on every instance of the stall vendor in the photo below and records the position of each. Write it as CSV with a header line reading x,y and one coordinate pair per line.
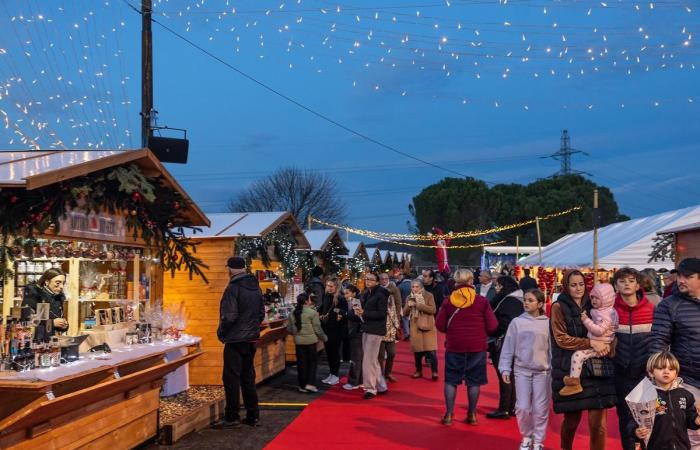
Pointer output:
x,y
48,289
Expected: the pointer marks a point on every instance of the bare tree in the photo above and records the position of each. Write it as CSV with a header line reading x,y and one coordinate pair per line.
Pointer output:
x,y
302,192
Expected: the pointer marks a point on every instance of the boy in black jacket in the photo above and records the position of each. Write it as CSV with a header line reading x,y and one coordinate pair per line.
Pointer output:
x,y
675,406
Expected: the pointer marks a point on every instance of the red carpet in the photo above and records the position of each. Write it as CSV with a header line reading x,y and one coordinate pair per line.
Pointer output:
x,y
409,417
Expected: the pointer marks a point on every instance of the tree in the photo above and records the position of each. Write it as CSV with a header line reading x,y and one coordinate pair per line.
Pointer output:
x,y
302,192
467,204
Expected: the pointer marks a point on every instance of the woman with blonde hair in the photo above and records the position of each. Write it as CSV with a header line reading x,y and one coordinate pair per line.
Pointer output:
x,y
333,315
420,309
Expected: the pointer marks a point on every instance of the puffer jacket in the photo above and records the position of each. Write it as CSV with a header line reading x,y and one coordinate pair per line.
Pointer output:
x,y
311,331
469,327
34,294
677,325
241,310
375,307
633,337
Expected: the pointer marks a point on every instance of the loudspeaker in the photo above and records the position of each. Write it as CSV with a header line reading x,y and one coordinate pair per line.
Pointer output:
x,y
169,149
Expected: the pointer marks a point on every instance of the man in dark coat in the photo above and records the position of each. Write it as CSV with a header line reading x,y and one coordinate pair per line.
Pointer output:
x,y
431,284
527,282
241,312
676,327
316,286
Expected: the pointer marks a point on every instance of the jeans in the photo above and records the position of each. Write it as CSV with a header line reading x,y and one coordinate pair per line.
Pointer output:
x,y
307,362
406,325
597,428
387,363
239,375
432,358
355,374
332,347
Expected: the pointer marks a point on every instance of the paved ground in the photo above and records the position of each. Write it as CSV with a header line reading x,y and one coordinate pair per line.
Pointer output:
x,y
281,389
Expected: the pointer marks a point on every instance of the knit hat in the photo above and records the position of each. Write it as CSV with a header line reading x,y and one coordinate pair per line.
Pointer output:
x,y
606,294
689,266
236,262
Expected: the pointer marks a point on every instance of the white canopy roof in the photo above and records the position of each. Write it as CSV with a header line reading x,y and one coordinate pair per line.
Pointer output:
x,y
355,247
320,239
623,244
510,250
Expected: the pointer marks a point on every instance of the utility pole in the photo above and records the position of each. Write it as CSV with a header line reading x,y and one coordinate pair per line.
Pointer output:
x,y
564,156
146,71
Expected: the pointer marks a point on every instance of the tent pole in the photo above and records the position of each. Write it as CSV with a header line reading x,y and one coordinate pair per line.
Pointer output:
x,y
595,236
539,238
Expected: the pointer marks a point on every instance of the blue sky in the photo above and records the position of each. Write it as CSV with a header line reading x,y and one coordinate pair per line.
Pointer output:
x,y
478,86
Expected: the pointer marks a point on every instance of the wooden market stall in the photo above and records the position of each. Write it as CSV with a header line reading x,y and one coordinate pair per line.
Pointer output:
x,y
686,240
231,234
101,217
357,262
327,250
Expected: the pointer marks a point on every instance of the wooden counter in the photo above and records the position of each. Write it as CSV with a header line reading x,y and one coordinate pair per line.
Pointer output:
x,y
110,406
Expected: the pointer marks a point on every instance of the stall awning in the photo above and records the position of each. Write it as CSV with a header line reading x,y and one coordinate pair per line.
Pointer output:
x,y
251,225
356,249
321,239
36,169
623,244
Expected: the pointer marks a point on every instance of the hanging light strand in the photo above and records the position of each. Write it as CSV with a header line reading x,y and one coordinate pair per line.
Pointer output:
x,y
448,247
453,235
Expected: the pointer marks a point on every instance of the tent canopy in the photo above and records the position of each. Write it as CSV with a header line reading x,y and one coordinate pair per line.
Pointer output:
x,y
622,244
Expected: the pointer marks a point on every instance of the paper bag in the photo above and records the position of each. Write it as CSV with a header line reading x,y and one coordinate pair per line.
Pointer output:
x,y
642,404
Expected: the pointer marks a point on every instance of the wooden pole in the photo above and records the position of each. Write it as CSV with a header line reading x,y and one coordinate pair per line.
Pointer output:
x,y
146,71
595,236
308,224
517,249
539,239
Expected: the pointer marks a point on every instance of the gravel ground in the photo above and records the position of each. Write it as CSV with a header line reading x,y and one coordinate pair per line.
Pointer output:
x,y
280,389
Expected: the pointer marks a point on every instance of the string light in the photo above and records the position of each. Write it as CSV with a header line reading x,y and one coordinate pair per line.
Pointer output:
x,y
449,247
455,235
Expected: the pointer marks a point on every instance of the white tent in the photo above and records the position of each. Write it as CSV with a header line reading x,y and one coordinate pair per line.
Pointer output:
x,y
623,244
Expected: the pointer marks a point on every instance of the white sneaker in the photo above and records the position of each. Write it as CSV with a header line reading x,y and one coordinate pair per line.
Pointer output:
x,y
301,389
350,387
538,447
311,388
526,444
333,380
326,380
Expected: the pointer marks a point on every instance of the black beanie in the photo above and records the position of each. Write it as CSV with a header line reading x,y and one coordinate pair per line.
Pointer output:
x,y
689,266
236,262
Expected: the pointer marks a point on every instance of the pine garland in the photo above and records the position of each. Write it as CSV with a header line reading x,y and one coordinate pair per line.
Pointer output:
x,y
153,213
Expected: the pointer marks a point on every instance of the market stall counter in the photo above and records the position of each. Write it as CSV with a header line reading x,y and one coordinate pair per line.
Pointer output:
x,y
101,400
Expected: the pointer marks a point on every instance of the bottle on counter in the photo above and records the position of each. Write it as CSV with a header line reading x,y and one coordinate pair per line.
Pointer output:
x,y
55,352
45,355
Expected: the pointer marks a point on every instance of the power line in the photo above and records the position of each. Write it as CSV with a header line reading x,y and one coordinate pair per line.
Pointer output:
x,y
297,103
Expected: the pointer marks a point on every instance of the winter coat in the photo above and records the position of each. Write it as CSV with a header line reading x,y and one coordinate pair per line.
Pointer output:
x,y
421,341
507,309
333,323
374,304
469,327
354,322
675,414
439,292
527,283
526,346
241,310
34,294
677,324
568,335
601,322
395,296
311,331
316,286
490,294
633,337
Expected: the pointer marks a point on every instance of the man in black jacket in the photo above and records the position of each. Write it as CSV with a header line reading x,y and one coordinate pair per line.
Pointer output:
x,y
241,311
675,328
527,282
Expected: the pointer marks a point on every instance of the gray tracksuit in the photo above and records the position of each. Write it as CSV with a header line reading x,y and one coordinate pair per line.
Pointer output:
x,y
526,352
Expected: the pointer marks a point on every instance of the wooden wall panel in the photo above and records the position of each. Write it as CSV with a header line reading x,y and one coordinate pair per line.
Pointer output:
x,y
688,245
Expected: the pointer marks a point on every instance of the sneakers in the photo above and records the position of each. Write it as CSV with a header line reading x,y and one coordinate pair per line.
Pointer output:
x,y
301,389
369,396
417,375
498,414
350,387
331,380
538,447
311,388
224,424
526,444
251,422
572,386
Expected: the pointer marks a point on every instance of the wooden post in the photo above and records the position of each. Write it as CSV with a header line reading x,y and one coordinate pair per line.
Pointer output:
x,y
539,239
517,248
146,71
308,222
595,236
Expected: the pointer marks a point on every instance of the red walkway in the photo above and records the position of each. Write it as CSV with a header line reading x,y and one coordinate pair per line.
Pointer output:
x,y
409,417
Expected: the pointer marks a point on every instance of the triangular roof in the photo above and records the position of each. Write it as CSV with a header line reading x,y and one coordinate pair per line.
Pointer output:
x,y
36,169
374,255
250,224
321,239
385,255
622,244
356,249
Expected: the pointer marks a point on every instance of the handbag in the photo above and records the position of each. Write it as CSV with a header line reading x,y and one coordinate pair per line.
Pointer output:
x,y
425,322
598,368
495,345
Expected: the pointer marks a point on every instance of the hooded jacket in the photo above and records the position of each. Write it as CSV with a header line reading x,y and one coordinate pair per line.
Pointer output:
x,y
526,346
241,310
603,320
471,321
675,414
677,324
34,294
506,309
311,331
633,337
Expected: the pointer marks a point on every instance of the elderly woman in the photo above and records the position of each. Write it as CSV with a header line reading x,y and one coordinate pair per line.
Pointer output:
x,y
569,335
420,309
467,319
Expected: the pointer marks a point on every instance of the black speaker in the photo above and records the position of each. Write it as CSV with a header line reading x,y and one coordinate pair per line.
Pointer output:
x,y
170,150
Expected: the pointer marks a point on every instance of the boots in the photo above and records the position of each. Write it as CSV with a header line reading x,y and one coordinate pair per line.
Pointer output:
x,y
572,386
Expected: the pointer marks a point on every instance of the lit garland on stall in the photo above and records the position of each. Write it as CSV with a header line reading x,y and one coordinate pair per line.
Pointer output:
x,y
381,236
283,243
357,266
332,256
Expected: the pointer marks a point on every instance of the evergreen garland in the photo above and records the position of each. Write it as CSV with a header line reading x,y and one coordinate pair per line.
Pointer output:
x,y
152,212
283,243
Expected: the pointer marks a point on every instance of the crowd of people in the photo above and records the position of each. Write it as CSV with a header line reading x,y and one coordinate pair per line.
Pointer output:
x,y
586,355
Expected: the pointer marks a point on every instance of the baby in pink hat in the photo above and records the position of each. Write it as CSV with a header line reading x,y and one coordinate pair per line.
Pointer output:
x,y
601,327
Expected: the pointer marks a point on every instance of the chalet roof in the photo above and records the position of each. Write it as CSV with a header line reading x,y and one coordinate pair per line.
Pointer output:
x,y
320,239
37,169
